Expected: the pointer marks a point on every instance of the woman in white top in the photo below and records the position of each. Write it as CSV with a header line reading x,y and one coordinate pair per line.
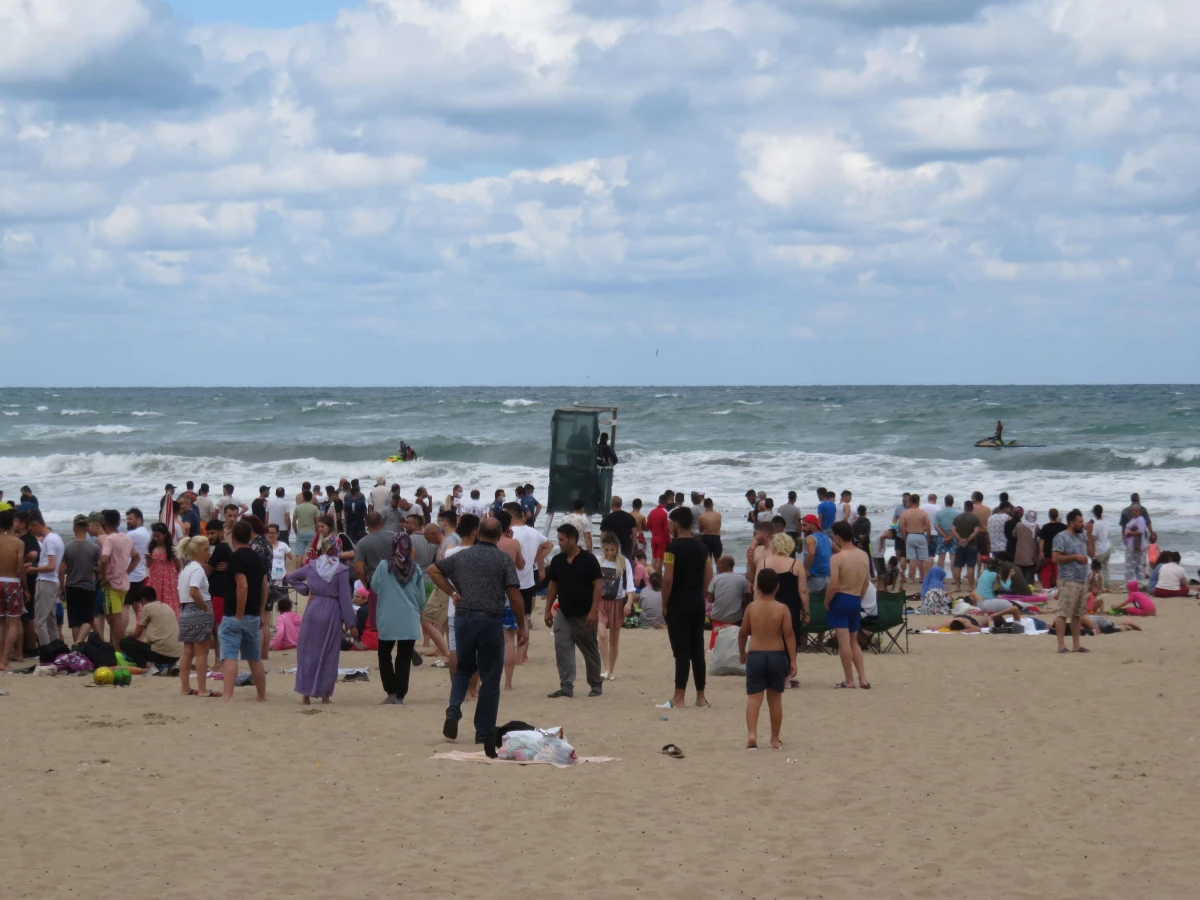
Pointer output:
x,y
195,616
616,601
1103,544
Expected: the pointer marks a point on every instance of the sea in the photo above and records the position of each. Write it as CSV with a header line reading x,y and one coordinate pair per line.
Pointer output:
x,y
86,449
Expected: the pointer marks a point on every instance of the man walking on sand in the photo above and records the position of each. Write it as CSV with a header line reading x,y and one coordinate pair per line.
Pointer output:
x,y
575,581
1072,549
478,579
849,578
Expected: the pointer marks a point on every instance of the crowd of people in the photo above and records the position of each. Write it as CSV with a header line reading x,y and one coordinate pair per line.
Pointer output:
x,y
458,582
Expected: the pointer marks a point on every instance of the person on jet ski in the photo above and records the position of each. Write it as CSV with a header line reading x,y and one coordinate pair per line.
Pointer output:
x,y
998,437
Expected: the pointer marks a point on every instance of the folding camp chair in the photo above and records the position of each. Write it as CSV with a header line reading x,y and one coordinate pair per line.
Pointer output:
x,y
817,627
891,624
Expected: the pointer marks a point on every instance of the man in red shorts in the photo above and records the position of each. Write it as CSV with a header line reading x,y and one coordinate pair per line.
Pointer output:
x,y
659,534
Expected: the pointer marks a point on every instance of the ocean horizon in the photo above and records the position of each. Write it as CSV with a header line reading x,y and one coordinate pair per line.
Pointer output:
x,y
86,448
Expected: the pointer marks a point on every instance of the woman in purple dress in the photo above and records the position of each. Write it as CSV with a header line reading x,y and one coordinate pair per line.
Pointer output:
x,y
326,583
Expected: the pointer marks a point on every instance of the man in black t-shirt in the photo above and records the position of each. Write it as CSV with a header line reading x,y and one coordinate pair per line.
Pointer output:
x,y
574,581
687,571
241,629
258,506
622,524
1048,576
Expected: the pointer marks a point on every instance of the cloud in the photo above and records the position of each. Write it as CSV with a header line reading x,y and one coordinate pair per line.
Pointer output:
x,y
626,173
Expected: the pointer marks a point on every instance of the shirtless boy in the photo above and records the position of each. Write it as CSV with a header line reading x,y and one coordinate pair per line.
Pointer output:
x,y
710,529
12,592
849,575
771,660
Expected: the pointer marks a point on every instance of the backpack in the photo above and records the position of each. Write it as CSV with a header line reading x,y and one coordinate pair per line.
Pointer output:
x,y
99,652
51,651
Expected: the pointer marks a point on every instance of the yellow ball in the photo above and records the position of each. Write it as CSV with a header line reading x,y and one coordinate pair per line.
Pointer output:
x,y
103,675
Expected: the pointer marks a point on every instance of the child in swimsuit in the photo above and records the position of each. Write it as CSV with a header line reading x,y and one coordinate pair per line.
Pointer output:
x,y
771,658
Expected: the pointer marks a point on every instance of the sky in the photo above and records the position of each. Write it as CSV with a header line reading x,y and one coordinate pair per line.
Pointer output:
x,y
300,192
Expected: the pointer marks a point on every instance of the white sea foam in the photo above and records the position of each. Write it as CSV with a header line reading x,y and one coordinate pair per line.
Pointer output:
x,y
75,412
721,412
67,483
520,401
186,422
1159,456
660,396
749,402
336,403
7,413
42,408
145,412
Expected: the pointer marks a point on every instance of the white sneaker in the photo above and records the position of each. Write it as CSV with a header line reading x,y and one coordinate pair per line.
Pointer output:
x,y
604,676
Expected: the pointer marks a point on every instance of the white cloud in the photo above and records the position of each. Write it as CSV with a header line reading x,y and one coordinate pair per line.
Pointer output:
x,y
621,168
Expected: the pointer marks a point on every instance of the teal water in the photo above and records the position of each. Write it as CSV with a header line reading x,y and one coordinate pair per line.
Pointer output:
x,y
85,448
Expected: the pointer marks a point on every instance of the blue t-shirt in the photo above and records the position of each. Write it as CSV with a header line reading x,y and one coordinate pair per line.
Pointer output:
x,y
820,566
987,585
356,514
529,504
945,519
827,510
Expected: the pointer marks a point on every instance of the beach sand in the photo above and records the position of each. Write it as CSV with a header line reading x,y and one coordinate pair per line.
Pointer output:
x,y
978,766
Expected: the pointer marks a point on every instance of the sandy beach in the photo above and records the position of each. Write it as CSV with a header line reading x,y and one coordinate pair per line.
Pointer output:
x,y
979,766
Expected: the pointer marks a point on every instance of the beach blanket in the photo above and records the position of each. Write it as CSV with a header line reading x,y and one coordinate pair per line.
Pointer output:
x,y
480,757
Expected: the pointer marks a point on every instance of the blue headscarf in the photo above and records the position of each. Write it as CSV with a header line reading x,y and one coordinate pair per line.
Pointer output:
x,y
935,579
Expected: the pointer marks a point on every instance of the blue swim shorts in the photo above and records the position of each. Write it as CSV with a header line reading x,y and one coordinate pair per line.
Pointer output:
x,y
241,638
845,611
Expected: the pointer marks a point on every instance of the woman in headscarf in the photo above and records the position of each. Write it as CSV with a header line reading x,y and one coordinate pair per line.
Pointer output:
x,y
1025,554
326,583
324,541
399,587
934,599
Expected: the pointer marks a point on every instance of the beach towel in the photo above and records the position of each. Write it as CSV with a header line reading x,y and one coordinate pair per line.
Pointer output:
x,y
480,757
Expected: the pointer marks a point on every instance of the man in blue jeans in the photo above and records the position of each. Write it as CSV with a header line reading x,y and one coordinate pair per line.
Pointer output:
x,y
478,580
241,630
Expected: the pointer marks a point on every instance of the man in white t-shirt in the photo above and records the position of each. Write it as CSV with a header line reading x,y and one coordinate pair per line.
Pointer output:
x,y
534,549
140,535
48,588
380,497
582,524
279,513
474,506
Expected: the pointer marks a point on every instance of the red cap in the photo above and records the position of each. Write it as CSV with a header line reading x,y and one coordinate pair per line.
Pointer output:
x,y
812,520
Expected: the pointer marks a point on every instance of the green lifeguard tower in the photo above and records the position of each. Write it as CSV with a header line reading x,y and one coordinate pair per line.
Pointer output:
x,y
574,473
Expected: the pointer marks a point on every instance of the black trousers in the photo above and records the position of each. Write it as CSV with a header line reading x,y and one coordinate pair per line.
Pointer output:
x,y
141,653
395,676
685,630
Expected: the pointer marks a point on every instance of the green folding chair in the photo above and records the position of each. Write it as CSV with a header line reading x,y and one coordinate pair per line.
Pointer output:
x,y
892,625
817,626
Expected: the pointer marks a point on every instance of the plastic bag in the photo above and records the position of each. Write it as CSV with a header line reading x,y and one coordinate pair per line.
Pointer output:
x,y
537,746
725,657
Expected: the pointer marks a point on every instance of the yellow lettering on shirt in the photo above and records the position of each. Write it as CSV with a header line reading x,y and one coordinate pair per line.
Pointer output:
x,y
668,559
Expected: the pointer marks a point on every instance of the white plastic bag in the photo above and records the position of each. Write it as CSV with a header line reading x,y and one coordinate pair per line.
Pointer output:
x,y
537,746
725,658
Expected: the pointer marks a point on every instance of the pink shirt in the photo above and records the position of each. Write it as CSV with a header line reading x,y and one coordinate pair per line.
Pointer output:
x,y
287,631
639,575
118,550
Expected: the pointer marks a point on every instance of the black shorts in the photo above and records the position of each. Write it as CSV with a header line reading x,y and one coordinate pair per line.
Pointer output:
x,y
965,557
713,543
81,606
135,591
766,670
527,596
900,549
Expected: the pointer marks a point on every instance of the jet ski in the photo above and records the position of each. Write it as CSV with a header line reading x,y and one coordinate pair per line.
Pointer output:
x,y
992,442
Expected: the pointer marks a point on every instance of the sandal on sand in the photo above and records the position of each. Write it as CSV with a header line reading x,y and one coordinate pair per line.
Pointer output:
x,y
672,751
865,687
195,693
670,704
1063,650
842,684
440,664
1082,650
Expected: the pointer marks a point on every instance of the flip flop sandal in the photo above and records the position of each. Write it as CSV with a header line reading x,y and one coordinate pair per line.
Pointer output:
x,y
672,751
841,684
864,687
668,705
1082,650
1063,650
